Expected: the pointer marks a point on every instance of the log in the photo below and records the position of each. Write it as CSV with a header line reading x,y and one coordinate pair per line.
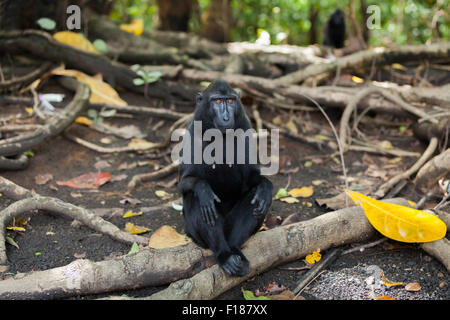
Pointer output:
x,y
370,58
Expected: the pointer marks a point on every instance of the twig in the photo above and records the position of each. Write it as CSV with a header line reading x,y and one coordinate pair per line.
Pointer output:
x,y
101,149
364,246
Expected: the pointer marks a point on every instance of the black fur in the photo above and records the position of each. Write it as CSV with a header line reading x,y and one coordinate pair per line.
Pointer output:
x,y
223,205
335,30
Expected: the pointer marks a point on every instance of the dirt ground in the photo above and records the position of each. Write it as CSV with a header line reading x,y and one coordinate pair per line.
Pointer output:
x,y
51,241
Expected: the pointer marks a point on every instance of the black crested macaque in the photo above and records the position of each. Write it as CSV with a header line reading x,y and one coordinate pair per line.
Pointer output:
x,y
335,30
223,203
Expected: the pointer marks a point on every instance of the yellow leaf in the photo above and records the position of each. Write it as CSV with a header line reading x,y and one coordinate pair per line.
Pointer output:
x,y
76,40
388,283
140,144
303,192
84,120
385,144
167,237
130,214
29,110
101,92
356,79
132,229
399,222
313,257
290,200
384,298
277,121
398,66
162,194
16,228
136,27
291,127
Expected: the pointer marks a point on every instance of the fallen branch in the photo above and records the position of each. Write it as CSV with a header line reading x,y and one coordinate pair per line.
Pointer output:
x,y
385,187
428,176
368,58
37,202
53,127
150,267
139,178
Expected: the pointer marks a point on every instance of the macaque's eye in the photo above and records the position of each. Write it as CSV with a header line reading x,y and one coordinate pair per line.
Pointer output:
x,y
218,101
230,100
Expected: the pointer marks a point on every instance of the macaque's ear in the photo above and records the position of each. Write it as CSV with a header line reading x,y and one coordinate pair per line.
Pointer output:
x,y
199,97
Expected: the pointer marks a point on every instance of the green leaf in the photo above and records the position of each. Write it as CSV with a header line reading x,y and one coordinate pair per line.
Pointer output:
x,y
108,113
138,82
92,113
248,295
46,23
134,248
282,192
100,45
37,253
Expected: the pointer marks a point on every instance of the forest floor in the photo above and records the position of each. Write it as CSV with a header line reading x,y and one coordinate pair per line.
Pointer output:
x,y
51,241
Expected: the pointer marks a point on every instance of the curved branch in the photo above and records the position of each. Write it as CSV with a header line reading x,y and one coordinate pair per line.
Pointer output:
x,y
54,126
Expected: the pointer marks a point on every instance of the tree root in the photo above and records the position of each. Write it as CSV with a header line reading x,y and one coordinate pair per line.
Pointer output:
x,y
367,58
37,202
139,178
53,127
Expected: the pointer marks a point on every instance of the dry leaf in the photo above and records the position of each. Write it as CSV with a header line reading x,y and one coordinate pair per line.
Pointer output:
x,y
88,180
413,286
167,237
388,283
75,40
399,222
136,27
130,214
290,200
43,178
133,229
101,92
162,194
291,127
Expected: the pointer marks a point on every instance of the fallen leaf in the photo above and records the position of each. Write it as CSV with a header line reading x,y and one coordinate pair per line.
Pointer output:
x,y
133,229
383,298
282,192
84,120
87,180
134,248
140,144
80,255
356,79
162,194
43,178
101,92
248,295
313,257
290,200
388,283
167,237
130,214
131,201
335,203
303,192
317,182
291,127
136,27
413,286
76,40
102,164
399,222
16,228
